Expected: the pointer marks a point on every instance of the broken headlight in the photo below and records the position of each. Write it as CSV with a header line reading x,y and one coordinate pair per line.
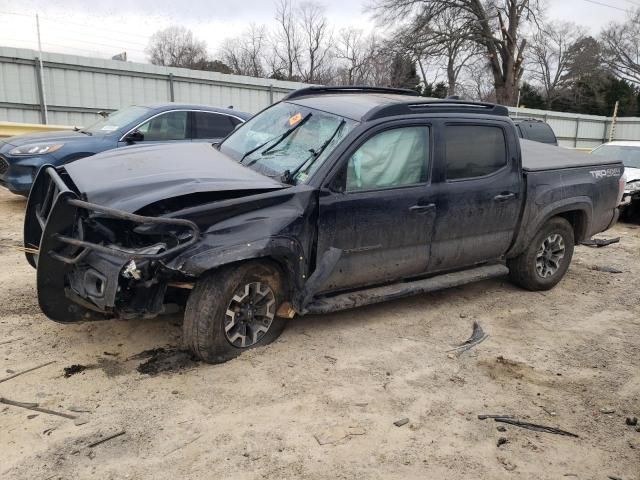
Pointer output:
x,y
632,187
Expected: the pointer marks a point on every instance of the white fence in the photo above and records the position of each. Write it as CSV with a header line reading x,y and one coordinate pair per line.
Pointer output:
x,y
77,88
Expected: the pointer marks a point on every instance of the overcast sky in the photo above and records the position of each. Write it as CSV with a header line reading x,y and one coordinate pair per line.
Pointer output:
x,y
106,28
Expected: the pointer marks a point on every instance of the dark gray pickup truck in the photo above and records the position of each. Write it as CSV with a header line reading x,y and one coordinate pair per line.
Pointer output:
x,y
330,199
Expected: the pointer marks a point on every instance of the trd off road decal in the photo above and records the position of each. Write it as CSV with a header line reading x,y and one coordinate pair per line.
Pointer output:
x,y
606,172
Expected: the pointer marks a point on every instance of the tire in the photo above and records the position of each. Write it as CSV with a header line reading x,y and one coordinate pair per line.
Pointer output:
x,y
222,304
534,268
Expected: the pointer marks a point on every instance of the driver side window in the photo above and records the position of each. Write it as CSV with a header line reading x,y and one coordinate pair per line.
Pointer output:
x,y
392,158
168,126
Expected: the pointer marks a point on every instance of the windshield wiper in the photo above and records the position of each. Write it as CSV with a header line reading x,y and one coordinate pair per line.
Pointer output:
x,y
288,176
279,139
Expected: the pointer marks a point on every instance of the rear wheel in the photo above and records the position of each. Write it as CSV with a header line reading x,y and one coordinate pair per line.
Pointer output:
x,y
233,309
543,264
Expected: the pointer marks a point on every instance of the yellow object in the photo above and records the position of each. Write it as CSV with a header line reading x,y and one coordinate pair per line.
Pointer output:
x,y
9,129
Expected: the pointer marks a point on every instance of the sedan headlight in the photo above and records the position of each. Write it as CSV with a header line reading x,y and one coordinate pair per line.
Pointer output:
x,y
632,187
36,149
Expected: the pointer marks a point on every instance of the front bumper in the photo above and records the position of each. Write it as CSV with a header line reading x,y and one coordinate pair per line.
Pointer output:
x,y
17,173
78,279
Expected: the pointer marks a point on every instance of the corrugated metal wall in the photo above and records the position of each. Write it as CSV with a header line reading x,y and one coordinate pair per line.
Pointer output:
x,y
583,131
76,88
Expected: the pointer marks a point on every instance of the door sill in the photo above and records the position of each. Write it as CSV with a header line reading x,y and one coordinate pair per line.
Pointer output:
x,y
370,296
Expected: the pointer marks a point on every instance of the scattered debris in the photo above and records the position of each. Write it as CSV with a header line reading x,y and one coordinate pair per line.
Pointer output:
x,y
401,422
80,421
613,477
166,360
361,404
335,434
183,445
501,428
607,410
73,369
31,417
106,439
477,336
506,464
605,269
600,242
26,371
331,359
484,417
533,426
77,409
111,354
631,421
4,342
35,408
502,441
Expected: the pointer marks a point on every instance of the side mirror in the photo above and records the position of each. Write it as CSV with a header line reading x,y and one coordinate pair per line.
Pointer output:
x,y
134,137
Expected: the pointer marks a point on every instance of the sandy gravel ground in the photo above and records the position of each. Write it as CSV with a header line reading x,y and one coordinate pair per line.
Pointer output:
x,y
560,358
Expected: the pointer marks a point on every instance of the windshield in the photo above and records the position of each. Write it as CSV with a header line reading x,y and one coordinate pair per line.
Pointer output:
x,y
287,139
117,120
628,155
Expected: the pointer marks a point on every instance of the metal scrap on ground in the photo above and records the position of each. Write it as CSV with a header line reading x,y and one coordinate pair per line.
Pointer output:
x,y
477,336
606,269
536,427
600,242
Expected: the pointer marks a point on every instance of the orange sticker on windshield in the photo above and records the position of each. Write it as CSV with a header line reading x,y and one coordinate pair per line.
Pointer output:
x,y
295,119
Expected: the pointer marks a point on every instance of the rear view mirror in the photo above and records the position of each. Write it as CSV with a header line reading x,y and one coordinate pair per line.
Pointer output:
x,y
133,137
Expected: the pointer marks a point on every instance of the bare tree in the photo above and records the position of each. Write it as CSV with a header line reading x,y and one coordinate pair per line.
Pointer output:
x,y
176,46
286,41
315,39
621,44
496,26
355,52
245,54
551,52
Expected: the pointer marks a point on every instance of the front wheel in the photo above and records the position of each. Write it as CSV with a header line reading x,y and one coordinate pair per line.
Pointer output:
x,y
233,309
543,264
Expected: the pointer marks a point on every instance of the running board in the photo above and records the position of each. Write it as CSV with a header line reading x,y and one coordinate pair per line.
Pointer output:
x,y
370,296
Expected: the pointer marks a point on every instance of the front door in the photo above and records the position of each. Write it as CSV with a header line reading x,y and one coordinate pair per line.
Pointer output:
x,y
379,213
478,194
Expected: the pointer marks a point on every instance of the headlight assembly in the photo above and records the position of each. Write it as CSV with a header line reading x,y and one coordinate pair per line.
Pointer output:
x,y
36,149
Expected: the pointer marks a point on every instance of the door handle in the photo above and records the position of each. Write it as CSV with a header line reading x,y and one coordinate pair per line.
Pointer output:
x,y
422,208
503,197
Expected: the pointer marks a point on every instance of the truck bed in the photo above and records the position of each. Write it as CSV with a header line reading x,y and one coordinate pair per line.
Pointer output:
x,y
539,156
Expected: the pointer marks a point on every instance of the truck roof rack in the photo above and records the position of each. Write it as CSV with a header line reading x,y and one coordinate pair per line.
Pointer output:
x,y
437,106
302,92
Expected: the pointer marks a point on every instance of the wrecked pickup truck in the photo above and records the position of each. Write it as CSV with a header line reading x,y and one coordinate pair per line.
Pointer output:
x,y
331,199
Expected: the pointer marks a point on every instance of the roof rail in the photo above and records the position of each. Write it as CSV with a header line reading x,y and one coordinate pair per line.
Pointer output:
x,y
437,106
302,92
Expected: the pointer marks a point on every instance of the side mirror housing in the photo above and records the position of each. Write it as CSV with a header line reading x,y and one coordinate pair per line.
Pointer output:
x,y
134,137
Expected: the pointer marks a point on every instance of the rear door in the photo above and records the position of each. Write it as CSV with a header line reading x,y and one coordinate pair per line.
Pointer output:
x,y
379,213
478,192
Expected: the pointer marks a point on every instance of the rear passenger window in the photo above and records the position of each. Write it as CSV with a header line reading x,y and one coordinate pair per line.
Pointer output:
x,y
211,125
474,150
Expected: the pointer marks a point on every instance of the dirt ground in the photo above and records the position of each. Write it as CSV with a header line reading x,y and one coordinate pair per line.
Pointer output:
x,y
321,401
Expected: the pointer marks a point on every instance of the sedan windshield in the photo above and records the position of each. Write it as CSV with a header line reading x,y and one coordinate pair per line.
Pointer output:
x,y
628,155
117,120
287,140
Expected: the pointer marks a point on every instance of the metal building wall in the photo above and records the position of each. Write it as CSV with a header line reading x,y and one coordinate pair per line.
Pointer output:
x,y
76,88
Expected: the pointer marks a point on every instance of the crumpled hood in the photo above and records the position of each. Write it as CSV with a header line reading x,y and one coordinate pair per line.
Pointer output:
x,y
132,177
63,136
631,174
